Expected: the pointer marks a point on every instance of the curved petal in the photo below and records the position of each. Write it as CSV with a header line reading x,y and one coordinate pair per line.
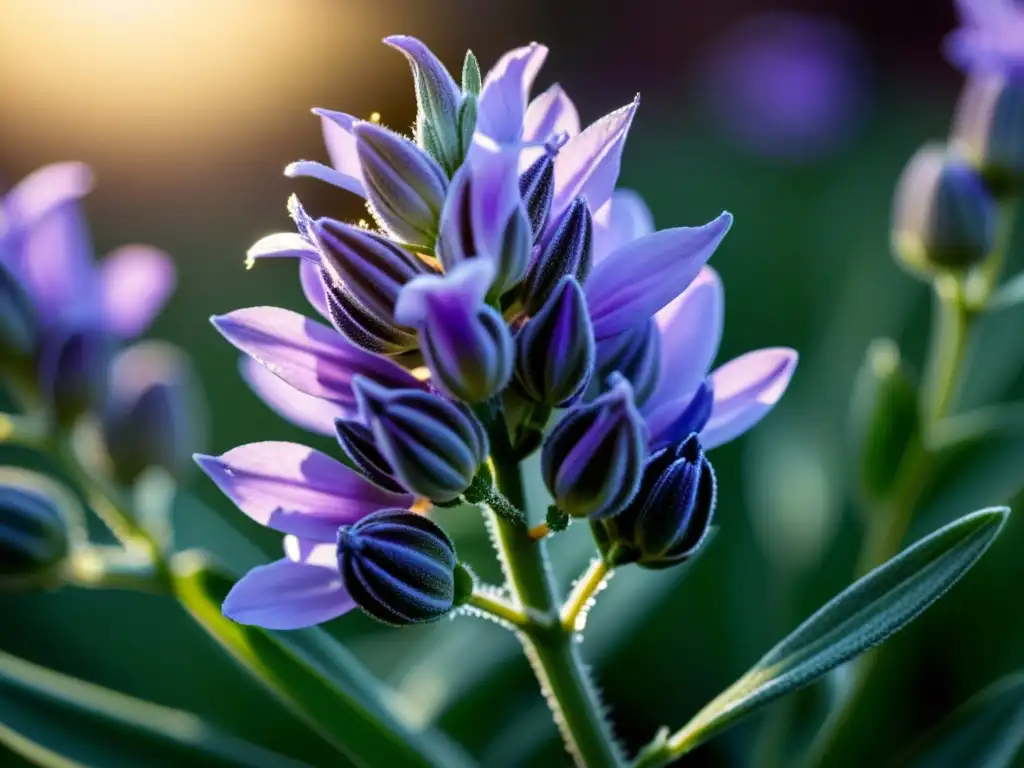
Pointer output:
x,y
295,489
287,595
623,219
502,104
316,170
341,147
302,410
691,330
313,287
746,388
310,356
43,190
550,113
136,281
282,245
640,278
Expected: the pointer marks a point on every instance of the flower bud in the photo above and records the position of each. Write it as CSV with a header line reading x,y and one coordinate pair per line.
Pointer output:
x,y
537,188
152,416
17,322
357,442
398,566
372,268
465,343
670,516
34,538
361,326
568,252
885,418
472,82
555,349
636,354
944,216
433,445
404,186
73,372
593,460
437,100
988,128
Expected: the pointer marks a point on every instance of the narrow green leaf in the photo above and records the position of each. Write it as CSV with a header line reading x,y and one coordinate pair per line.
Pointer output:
x,y
1010,293
862,616
53,720
314,676
986,732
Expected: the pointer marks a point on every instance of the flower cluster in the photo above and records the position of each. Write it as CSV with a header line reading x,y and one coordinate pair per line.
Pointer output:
x,y
505,277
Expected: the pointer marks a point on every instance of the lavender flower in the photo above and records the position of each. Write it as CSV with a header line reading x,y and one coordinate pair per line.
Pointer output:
x,y
991,38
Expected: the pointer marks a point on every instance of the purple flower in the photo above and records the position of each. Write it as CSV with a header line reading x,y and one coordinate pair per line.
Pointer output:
x,y
991,38
308,496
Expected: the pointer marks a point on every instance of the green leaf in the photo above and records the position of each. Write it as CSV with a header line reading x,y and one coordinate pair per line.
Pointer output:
x,y
986,732
313,675
1010,293
50,719
862,616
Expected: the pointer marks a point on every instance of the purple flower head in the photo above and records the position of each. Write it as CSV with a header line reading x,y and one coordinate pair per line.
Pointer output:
x,y
786,85
990,39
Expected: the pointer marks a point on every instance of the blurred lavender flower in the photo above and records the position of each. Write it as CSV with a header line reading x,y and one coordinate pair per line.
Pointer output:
x,y
991,38
82,309
785,85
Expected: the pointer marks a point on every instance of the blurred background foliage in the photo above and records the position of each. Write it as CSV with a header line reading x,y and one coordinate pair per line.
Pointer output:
x,y
189,109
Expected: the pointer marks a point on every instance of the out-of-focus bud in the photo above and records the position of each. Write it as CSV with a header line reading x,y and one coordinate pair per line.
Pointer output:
x,y
73,370
404,186
437,99
17,322
465,343
153,415
434,446
568,252
34,539
357,442
592,461
471,79
636,354
670,516
989,129
885,418
555,349
944,216
398,566
537,188
372,268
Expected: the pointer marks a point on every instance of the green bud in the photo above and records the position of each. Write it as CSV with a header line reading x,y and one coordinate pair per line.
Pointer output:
x,y
989,129
944,217
885,418
34,538
467,124
471,80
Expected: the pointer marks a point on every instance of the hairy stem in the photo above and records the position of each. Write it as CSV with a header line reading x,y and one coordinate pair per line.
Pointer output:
x,y
548,646
498,609
583,592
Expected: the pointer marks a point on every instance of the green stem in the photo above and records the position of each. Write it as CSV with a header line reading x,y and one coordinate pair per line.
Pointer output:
x,y
952,327
589,584
550,649
498,609
98,567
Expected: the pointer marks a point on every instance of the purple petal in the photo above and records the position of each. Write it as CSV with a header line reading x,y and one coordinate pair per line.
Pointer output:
x,y
295,489
462,289
494,171
310,356
549,113
316,170
746,388
589,162
502,105
305,411
341,147
136,281
640,278
282,245
623,219
312,281
691,330
288,595
44,189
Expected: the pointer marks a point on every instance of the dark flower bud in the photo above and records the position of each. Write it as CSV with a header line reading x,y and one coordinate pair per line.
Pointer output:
x,y
398,566
404,186
636,354
537,188
989,126
671,514
73,370
152,416
372,268
34,538
360,325
568,252
357,442
593,460
17,322
555,349
433,445
944,216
